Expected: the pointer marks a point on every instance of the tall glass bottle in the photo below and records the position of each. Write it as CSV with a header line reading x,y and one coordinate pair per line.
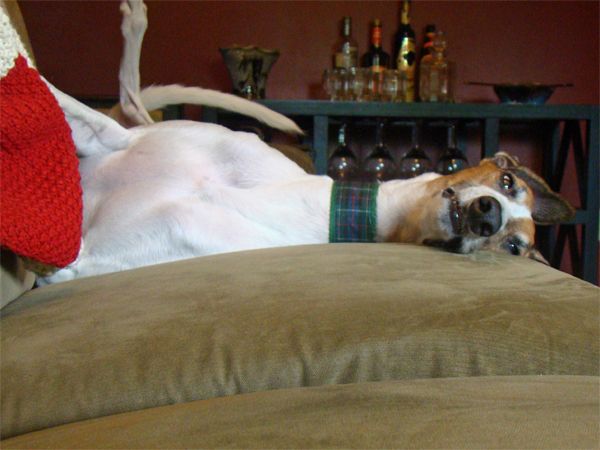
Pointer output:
x,y
404,53
342,163
428,36
379,165
443,67
376,58
425,79
346,49
436,75
425,63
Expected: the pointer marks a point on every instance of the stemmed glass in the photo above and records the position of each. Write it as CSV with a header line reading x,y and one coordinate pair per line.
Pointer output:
x,y
415,162
453,159
342,163
379,165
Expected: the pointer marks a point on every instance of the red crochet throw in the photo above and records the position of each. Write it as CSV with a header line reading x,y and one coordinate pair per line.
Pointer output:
x,y
41,199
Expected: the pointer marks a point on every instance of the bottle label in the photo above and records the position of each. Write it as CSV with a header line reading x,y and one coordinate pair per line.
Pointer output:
x,y
407,55
345,60
406,66
376,37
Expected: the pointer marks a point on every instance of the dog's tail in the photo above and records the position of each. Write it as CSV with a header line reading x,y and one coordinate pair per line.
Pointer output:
x,y
154,97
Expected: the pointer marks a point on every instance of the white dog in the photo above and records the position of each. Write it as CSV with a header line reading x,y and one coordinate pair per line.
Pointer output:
x,y
181,189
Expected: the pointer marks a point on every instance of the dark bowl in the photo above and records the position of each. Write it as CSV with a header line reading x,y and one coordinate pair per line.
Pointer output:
x,y
523,93
531,94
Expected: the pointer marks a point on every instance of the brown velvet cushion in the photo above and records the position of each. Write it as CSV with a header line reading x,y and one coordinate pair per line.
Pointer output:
x,y
479,412
14,277
287,317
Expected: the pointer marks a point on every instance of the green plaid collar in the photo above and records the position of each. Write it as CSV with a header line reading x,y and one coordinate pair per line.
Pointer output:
x,y
353,212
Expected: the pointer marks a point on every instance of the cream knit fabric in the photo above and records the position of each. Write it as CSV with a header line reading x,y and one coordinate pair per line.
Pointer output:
x,y
10,45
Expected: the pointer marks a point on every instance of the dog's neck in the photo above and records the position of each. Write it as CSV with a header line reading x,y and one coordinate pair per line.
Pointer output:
x,y
400,207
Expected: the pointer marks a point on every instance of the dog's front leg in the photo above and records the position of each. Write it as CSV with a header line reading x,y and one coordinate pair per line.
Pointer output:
x,y
133,28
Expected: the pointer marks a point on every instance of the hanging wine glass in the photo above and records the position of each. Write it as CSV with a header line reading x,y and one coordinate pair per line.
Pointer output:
x,y
379,165
342,163
453,159
415,162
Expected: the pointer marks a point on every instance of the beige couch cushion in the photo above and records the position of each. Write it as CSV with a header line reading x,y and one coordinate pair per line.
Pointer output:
x,y
480,412
282,318
14,277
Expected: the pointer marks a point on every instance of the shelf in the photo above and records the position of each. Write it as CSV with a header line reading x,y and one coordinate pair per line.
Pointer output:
x,y
431,110
562,123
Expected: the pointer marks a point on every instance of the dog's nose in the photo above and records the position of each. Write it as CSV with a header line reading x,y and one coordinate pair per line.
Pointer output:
x,y
485,216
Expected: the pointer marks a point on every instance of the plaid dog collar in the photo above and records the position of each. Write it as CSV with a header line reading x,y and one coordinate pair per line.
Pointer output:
x,y
353,212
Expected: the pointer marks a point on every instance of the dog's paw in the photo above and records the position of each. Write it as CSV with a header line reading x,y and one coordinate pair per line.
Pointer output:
x,y
125,8
135,19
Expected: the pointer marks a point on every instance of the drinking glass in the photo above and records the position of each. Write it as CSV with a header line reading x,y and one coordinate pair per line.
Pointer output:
x,y
335,83
453,159
415,162
342,163
327,83
391,85
358,80
379,165
375,85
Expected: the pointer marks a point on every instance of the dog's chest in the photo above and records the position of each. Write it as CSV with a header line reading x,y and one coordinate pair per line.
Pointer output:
x,y
200,207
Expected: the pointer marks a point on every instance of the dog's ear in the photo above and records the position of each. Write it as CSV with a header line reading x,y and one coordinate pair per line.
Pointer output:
x,y
504,160
549,207
536,256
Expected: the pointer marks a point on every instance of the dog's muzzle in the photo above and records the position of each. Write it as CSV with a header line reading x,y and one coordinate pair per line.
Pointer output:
x,y
483,216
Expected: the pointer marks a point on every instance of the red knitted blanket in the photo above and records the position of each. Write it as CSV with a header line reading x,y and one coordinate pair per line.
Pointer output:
x,y
40,192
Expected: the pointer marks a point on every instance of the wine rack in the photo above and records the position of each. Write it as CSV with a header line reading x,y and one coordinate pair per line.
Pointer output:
x,y
569,129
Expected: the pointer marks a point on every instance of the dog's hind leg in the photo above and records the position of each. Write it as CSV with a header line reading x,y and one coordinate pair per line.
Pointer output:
x,y
133,27
93,132
134,106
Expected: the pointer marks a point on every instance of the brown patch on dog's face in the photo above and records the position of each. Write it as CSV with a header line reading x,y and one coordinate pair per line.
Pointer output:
x,y
516,238
492,206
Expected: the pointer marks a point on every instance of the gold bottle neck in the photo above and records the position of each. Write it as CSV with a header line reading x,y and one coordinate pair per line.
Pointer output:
x,y
405,13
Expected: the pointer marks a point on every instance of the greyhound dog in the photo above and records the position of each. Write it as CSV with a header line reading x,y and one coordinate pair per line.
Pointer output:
x,y
181,189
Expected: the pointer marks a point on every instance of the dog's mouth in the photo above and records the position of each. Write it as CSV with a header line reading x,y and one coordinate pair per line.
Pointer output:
x,y
456,212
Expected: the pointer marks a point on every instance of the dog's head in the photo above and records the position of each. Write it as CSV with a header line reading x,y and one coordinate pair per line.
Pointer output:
x,y
492,206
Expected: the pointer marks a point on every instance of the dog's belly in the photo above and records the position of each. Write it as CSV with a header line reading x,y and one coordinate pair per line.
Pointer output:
x,y
180,225
148,205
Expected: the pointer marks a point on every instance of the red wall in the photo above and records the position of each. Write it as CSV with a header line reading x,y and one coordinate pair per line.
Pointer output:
x,y
78,44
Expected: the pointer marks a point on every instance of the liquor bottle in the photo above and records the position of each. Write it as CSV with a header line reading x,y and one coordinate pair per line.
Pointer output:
x,y
425,78
404,53
379,165
346,50
376,58
428,36
435,75
342,163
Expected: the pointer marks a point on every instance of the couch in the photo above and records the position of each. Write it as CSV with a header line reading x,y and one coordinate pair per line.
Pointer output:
x,y
320,346
323,346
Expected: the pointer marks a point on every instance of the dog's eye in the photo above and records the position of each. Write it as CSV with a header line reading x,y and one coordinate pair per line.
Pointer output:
x,y
507,182
513,248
